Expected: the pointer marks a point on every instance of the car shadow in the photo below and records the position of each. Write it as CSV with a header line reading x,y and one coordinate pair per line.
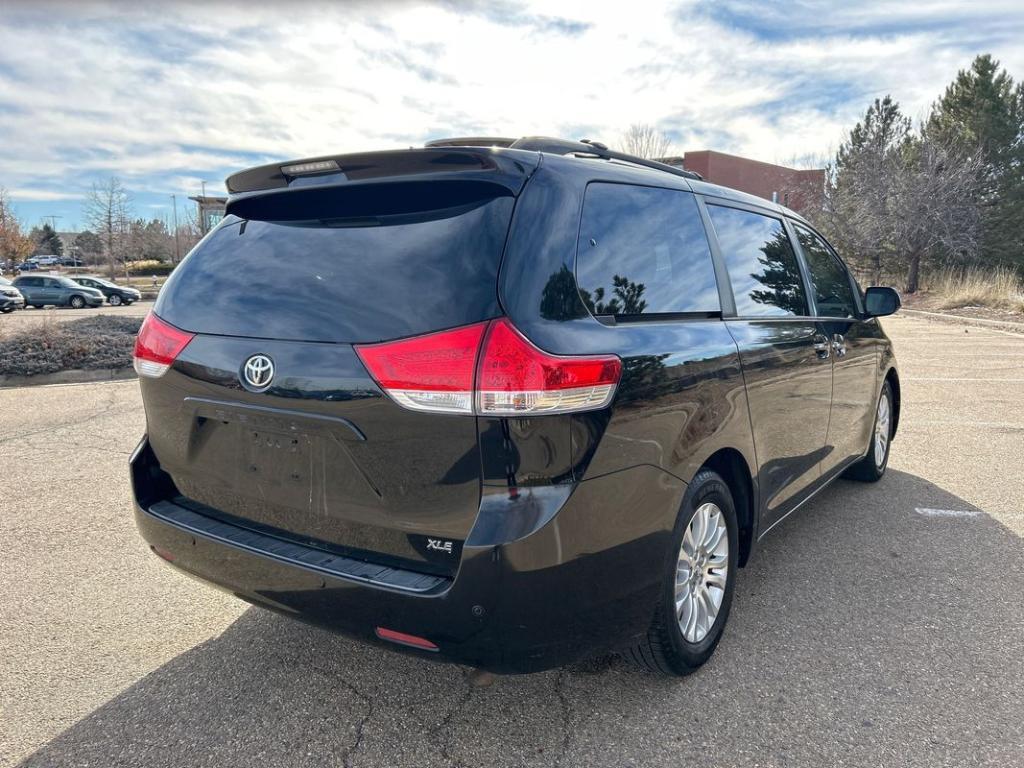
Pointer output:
x,y
862,633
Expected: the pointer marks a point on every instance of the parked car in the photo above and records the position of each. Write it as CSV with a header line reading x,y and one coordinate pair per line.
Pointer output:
x,y
514,406
116,294
27,265
10,297
46,260
70,261
43,290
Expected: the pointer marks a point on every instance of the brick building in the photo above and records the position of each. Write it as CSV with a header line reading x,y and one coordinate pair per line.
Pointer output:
x,y
800,190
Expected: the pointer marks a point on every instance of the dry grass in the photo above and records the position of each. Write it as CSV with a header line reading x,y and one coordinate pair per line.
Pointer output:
x,y
998,288
48,346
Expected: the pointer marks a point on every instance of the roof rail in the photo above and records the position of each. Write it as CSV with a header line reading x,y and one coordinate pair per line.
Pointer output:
x,y
556,146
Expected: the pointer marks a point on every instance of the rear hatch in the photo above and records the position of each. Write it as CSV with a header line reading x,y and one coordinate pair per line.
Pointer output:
x,y
299,276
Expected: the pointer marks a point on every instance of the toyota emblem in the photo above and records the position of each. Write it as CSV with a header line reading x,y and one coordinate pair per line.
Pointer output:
x,y
258,372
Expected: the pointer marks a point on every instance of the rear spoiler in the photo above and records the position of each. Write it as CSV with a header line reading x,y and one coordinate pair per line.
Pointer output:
x,y
509,168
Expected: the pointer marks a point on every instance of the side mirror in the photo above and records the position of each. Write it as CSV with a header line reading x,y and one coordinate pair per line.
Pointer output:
x,y
880,301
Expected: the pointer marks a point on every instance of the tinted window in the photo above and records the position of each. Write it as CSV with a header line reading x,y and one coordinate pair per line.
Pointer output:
x,y
643,250
762,265
832,290
29,282
353,277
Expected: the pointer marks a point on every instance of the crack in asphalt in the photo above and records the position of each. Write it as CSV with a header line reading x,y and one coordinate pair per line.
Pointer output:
x,y
445,725
566,706
110,408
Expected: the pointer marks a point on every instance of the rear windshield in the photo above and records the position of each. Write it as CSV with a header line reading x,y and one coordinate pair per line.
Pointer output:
x,y
350,275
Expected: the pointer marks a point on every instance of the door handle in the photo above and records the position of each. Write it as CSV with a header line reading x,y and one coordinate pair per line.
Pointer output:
x,y
839,345
822,346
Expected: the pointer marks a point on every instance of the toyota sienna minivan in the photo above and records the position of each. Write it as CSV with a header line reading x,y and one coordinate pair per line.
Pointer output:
x,y
506,403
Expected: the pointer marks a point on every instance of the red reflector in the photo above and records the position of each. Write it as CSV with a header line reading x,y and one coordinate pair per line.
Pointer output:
x,y
403,639
161,552
157,345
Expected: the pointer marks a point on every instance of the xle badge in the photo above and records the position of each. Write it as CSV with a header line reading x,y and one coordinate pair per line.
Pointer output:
x,y
439,546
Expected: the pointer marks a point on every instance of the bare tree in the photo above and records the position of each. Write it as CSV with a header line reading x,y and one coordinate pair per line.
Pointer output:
x,y
896,198
15,246
937,212
108,211
644,140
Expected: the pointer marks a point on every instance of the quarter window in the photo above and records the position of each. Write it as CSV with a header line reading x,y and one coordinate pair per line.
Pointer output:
x,y
762,265
833,292
643,250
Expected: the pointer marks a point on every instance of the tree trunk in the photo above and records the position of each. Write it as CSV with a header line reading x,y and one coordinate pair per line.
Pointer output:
x,y
914,273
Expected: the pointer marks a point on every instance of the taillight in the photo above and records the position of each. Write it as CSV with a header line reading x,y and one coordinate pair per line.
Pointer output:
x,y
490,369
157,345
515,377
428,373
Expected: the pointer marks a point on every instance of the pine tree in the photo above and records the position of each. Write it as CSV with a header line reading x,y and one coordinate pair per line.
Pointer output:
x,y
47,241
983,109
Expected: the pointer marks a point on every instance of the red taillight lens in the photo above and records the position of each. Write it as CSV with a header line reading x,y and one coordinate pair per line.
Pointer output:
x,y
436,372
515,377
157,345
428,373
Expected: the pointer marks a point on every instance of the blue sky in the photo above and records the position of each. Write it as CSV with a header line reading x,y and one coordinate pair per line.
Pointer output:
x,y
168,96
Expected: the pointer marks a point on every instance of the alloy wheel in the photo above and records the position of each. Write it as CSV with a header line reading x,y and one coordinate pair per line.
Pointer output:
x,y
702,572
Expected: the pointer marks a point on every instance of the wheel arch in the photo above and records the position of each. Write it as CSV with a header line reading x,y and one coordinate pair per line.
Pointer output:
x,y
733,467
893,378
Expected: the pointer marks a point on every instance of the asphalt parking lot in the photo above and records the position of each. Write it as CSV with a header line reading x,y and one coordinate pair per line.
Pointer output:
x,y
24,319
881,625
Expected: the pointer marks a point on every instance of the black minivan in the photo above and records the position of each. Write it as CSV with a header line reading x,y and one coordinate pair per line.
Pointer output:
x,y
509,403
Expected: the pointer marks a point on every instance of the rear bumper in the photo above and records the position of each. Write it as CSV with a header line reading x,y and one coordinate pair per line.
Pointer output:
x,y
583,583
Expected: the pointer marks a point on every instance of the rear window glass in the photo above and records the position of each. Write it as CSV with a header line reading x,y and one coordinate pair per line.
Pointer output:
x,y
762,265
351,276
643,250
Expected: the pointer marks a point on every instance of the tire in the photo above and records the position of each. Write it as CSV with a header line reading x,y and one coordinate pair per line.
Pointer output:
x,y
7,310
666,648
871,468
115,300
76,302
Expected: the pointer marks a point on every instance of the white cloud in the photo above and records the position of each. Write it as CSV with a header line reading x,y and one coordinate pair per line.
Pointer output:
x,y
196,91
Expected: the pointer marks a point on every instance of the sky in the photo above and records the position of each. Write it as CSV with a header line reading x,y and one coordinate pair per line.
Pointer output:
x,y
167,96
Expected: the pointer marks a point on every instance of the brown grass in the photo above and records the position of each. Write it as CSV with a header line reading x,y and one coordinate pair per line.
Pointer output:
x,y
994,288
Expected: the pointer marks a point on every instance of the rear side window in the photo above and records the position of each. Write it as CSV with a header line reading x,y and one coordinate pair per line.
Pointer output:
x,y
762,265
833,292
643,250
372,265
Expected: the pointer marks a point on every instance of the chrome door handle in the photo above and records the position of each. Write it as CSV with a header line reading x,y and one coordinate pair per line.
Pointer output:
x,y
839,345
822,346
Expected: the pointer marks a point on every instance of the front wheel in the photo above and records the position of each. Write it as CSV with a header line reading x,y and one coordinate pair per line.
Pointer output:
x,y
871,468
697,583
76,302
7,310
115,300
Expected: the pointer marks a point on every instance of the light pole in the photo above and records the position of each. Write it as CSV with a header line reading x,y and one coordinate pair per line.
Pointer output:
x,y
177,244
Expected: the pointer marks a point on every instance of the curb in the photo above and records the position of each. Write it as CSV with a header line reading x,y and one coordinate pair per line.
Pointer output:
x,y
1007,326
73,376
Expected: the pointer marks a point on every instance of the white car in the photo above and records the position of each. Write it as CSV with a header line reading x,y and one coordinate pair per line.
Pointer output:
x,y
46,261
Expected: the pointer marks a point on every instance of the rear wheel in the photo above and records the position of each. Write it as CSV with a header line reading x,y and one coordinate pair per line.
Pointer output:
x,y
871,468
697,584
115,300
7,310
76,302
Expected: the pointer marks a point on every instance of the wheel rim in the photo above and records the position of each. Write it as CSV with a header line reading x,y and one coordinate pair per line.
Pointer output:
x,y
77,303
115,300
882,429
702,572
